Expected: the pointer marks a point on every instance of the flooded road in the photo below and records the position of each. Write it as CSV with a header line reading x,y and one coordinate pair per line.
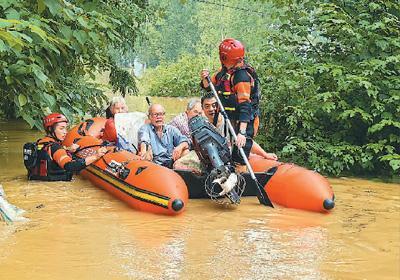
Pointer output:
x,y
78,231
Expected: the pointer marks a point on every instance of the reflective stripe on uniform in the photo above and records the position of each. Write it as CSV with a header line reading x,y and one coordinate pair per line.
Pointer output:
x,y
243,90
61,157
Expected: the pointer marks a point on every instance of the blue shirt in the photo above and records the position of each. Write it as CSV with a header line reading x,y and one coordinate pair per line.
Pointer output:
x,y
162,147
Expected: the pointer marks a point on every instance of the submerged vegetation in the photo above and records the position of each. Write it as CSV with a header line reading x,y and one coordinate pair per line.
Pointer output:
x,y
329,69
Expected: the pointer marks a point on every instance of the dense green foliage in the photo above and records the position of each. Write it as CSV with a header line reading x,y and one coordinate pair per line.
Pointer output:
x,y
333,99
51,49
330,74
178,28
174,79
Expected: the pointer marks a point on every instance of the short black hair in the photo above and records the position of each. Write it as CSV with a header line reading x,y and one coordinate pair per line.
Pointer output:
x,y
208,95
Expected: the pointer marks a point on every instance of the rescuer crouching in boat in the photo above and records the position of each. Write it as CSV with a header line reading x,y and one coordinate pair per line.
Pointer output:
x,y
48,160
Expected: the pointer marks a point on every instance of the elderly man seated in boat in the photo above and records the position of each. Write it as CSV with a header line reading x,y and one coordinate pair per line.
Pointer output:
x,y
160,142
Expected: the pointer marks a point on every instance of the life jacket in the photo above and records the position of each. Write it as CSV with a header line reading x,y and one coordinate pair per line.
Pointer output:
x,y
110,132
39,163
225,88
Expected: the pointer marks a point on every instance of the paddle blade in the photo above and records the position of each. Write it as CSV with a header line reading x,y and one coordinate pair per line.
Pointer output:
x,y
262,196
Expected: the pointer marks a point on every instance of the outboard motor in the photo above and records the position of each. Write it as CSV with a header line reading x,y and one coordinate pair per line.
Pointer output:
x,y
213,151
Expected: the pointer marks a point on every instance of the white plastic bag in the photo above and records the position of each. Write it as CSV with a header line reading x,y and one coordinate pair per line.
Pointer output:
x,y
127,126
8,212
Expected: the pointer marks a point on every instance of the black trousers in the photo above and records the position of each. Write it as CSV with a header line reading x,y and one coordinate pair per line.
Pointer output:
x,y
236,156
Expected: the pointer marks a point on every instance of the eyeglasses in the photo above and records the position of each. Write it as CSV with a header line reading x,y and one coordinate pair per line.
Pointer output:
x,y
161,114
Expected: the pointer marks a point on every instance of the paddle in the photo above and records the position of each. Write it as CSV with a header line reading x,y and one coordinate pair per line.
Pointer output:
x,y
261,195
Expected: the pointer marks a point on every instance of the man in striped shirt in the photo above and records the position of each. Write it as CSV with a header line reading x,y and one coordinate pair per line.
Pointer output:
x,y
181,121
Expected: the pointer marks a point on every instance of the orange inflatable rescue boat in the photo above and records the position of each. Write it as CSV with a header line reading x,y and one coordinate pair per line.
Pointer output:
x,y
143,185
148,187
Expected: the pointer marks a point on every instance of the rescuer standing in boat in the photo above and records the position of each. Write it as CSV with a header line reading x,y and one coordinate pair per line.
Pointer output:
x,y
238,87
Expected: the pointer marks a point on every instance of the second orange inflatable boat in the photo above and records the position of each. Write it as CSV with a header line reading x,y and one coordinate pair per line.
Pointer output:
x,y
286,184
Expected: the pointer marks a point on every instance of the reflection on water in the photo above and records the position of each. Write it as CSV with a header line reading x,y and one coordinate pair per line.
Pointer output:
x,y
78,231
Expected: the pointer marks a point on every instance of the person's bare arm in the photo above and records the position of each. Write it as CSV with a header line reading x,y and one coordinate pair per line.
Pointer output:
x,y
146,152
177,152
99,153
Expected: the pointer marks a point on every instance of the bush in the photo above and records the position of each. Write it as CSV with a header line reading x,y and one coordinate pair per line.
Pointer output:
x,y
176,79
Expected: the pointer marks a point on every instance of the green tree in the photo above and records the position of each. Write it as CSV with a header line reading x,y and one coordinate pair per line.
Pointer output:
x,y
171,32
331,73
49,52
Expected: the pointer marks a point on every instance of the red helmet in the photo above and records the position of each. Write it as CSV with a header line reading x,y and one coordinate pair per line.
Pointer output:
x,y
231,51
52,119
